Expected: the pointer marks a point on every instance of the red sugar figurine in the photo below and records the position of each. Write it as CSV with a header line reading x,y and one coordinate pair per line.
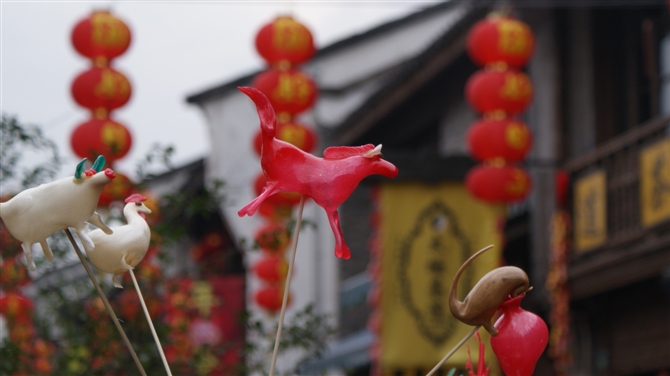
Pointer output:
x,y
328,181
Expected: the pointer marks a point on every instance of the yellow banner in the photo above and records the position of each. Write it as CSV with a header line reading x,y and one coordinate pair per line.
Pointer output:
x,y
427,232
590,211
655,183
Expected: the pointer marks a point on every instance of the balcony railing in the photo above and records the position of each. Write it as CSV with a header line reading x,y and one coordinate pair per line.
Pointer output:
x,y
619,158
630,252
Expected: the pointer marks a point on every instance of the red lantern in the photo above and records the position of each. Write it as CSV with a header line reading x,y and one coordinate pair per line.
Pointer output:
x,y
101,89
279,199
212,242
270,298
562,181
508,139
499,39
298,135
101,137
209,244
289,91
16,307
284,39
117,190
273,237
521,339
498,184
271,269
101,36
509,91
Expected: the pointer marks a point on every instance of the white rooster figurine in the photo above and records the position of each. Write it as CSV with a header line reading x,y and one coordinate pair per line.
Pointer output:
x,y
127,246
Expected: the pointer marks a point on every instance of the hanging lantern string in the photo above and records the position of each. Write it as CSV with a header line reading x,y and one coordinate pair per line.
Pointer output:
x,y
151,325
294,245
453,351
106,302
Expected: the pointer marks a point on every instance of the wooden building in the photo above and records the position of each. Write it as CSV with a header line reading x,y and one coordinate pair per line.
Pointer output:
x,y
601,76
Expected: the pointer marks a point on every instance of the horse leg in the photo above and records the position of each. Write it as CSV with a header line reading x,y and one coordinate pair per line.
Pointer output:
x,y
97,221
47,251
251,207
86,241
341,248
29,255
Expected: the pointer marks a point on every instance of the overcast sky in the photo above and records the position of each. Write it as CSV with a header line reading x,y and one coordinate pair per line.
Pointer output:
x,y
178,48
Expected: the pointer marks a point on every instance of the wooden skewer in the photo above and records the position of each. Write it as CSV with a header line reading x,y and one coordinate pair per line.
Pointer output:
x,y
294,245
106,302
458,346
151,325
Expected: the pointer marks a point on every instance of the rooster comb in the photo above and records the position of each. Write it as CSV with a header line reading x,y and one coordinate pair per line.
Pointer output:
x,y
136,198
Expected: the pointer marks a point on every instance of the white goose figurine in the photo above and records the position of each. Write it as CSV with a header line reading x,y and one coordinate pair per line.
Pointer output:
x,y
127,246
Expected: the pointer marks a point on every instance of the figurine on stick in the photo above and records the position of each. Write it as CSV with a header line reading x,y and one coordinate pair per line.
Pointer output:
x,y
37,213
124,249
519,337
329,181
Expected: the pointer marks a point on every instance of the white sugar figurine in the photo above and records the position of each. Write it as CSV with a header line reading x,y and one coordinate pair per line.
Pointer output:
x,y
126,247
36,213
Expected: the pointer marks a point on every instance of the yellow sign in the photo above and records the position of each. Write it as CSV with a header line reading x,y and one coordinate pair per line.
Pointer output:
x,y
655,183
427,232
590,211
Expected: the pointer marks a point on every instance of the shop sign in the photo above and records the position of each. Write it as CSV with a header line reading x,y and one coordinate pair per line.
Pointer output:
x,y
655,183
590,211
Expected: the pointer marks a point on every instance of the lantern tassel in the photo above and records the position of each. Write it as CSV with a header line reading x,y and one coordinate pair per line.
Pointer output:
x,y
106,302
294,245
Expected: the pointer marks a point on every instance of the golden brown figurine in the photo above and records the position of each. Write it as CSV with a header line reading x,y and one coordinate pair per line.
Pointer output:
x,y
483,301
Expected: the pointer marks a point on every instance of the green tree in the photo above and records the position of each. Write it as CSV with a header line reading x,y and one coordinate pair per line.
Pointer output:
x,y
15,141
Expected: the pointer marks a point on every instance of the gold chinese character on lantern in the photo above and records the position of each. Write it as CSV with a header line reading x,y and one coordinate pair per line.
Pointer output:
x,y
293,135
108,31
114,134
516,136
513,37
289,35
516,87
518,184
111,85
292,88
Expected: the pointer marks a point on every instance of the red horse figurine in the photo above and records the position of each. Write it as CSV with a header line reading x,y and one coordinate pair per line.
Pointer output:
x,y
328,181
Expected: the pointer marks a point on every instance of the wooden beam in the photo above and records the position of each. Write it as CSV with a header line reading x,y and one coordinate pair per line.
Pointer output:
x,y
627,139
615,268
